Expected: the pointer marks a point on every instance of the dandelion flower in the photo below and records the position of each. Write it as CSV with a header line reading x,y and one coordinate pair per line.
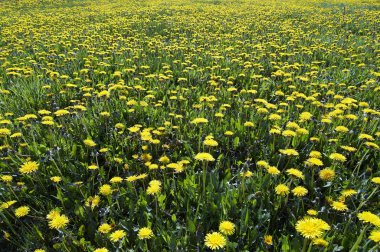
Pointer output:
x,y
315,154
105,190
273,170
339,206
296,173
268,240
376,180
327,174
375,236
210,142
312,212
6,178
215,241
305,116
262,164
320,242
117,235
289,133
154,187
89,143
299,191
101,250
289,152
311,228
104,228
58,222
22,211
282,189
145,233
29,167
56,179
248,124
52,214
368,217
227,227
203,156
341,129
314,162
337,157
92,201
199,121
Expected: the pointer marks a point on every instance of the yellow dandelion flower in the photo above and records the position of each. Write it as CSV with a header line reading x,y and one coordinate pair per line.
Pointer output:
x,y
104,228
268,240
6,178
117,235
227,227
368,217
311,227
210,142
92,201
101,250
105,190
273,170
52,214
313,162
339,206
203,156
89,143
215,241
22,211
282,189
327,174
315,154
145,233
299,191
320,242
248,124
154,187
337,157
199,121
56,179
296,173
375,236
29,167
312,212
59,222
289,152
341,129
376,180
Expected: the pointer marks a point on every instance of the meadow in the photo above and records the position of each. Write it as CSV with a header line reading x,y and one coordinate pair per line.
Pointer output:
x,y
185,125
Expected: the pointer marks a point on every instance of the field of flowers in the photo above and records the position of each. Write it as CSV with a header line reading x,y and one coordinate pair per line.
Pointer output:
x,y
185,125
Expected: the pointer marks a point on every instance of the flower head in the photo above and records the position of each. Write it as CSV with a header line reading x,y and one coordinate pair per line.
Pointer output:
x,y
58,222
22,211
145,233
89,143
227,227
117,235
204,156
299,191
339,206
369,217
375,236
327,174
268,240
311,228
282,189
29,167
104,228
215,240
